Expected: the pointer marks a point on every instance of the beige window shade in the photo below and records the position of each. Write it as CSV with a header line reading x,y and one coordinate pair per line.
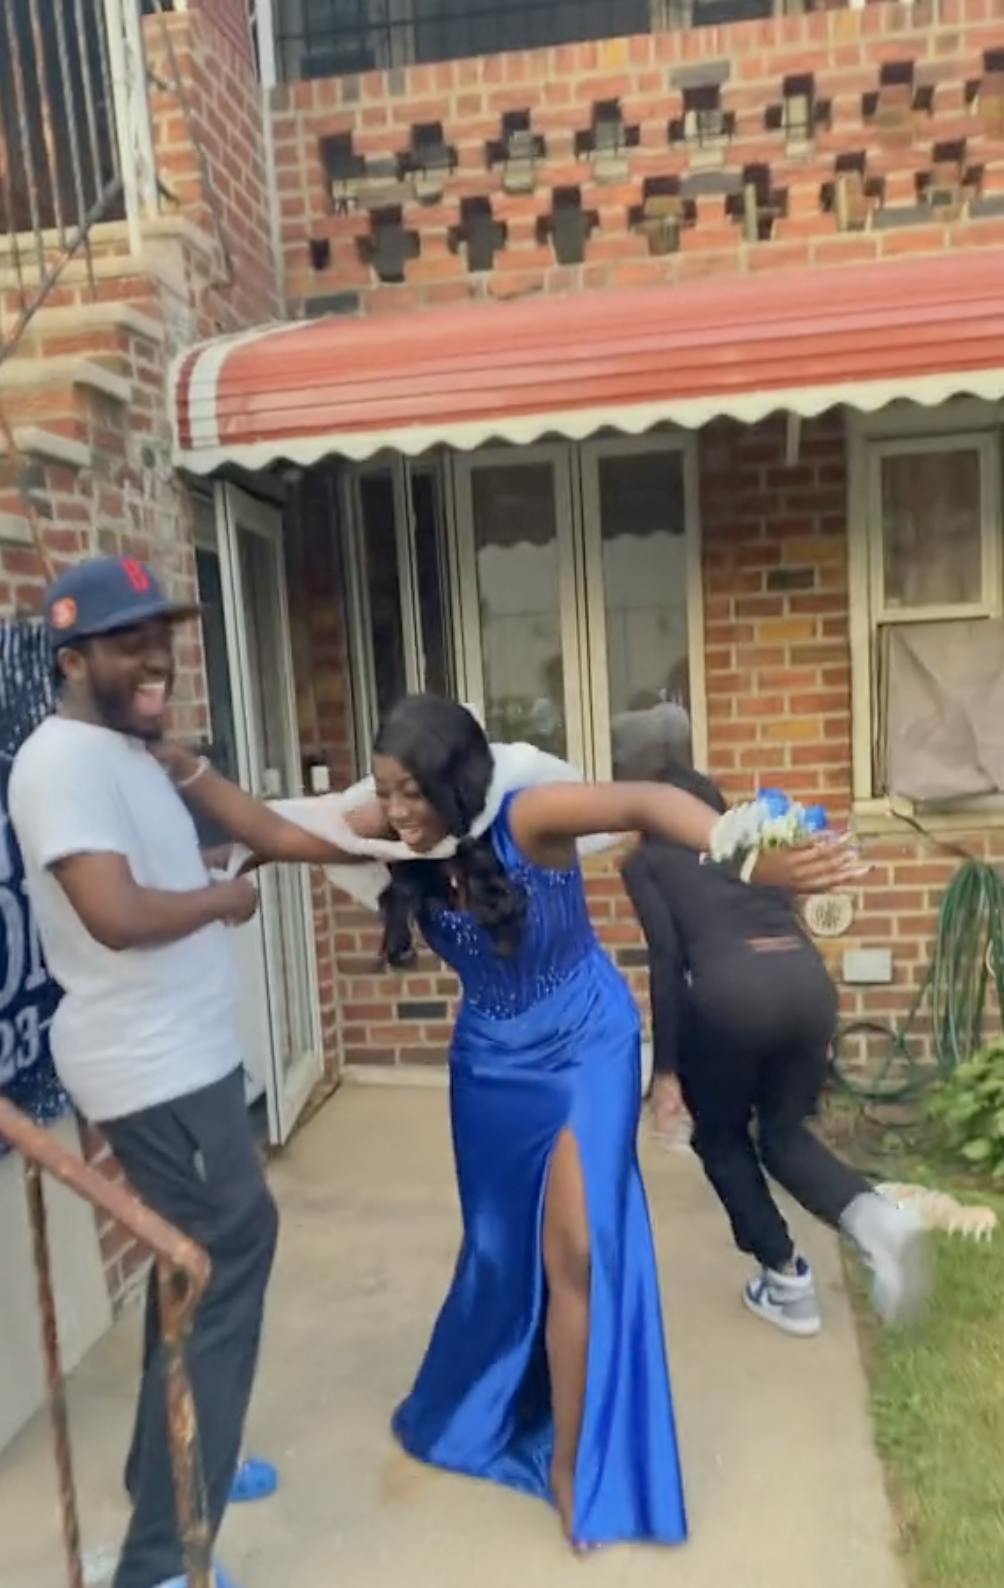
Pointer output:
x,y
941,709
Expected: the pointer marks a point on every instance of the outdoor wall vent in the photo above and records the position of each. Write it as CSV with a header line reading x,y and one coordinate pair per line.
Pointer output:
x,y
852,196
663,214
799,113
568,227
705,127
479,233
950,185
389,246
430,161
607,142
343,168
320,253
758,205
985,95
518,151
898,99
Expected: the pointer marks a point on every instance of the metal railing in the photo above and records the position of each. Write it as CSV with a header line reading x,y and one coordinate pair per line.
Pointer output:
x,y
330,38
76,146
182,1273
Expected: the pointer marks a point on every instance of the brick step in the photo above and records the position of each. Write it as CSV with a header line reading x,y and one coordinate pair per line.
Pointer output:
x,y
64,388
170,245
47,446
97,330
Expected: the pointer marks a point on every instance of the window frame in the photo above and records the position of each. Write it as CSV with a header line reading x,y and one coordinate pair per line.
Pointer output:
x,y
581,586
900,431
559,457
362,676
590,455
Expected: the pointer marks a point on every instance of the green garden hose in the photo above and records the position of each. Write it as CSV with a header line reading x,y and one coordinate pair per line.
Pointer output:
x,y
968,956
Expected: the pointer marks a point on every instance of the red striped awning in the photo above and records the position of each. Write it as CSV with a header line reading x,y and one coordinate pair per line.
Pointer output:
x,y
923,329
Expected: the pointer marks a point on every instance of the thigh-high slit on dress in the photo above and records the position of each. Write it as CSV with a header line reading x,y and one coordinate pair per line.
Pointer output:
x,y
547,1040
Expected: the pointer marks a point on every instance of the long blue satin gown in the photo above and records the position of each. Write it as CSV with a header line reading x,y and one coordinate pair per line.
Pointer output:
x,y
547,1039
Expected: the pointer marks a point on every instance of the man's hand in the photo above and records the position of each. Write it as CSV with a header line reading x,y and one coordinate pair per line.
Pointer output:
x,y
668,1108
238,901
815,868
121,914
178,761
217,857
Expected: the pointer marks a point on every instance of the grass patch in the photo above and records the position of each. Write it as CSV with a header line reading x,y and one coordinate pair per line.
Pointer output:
x,y
937,1390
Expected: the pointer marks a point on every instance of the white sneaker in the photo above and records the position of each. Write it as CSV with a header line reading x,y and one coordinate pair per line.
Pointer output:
x,y
788,1301
893,1242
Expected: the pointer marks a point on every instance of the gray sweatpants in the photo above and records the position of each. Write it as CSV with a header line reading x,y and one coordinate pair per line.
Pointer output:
x,y
194,1161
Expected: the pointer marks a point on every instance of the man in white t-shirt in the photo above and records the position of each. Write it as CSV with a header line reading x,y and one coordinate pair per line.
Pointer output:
x,y
145,1039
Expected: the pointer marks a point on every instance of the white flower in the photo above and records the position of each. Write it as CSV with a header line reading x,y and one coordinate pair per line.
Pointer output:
x,y
750,827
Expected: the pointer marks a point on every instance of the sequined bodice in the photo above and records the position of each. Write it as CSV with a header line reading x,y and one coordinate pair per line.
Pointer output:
x,y
557,936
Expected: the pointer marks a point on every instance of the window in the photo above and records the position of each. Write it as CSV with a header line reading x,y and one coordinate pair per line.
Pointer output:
x,y
555,588
516,521
400,614
935,549
329,38
925,549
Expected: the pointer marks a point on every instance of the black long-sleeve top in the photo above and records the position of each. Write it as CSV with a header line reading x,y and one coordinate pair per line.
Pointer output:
x,y
692,914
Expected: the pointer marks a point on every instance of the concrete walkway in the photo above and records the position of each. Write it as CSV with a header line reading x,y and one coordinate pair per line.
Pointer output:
x,y
784,1487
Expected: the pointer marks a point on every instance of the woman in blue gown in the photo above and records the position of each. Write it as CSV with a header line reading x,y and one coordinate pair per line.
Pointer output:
x,y
546,1370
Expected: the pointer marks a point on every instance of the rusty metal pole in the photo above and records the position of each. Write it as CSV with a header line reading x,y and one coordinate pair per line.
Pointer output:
x,y
177,1306
183,1274
55,1385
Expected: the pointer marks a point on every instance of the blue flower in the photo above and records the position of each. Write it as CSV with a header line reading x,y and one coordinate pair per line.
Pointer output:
x,y
815,819
774,801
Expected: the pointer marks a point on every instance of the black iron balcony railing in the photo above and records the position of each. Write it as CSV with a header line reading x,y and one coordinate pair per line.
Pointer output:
x,y
331,38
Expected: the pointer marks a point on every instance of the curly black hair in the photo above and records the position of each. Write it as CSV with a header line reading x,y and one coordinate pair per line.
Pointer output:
x,y
445,750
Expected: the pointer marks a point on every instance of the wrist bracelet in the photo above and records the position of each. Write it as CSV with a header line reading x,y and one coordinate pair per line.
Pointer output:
x,y
201,766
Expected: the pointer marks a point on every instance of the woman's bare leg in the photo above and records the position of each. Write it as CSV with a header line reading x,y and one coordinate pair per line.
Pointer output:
x,y
567,1263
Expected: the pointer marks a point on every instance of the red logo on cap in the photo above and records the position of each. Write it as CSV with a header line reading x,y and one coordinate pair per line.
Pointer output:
x,y
136,575
64,613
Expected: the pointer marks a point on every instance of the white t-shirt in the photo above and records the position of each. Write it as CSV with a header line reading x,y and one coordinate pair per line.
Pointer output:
x,y
139,1026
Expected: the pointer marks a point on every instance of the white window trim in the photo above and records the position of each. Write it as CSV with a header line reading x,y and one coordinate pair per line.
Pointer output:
x,y
904,428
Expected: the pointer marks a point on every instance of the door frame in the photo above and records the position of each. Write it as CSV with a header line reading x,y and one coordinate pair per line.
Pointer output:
x,y
205,537
287,1090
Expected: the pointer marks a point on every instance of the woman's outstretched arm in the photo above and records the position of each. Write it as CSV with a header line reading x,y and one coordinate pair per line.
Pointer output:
x,y
547,819
251,822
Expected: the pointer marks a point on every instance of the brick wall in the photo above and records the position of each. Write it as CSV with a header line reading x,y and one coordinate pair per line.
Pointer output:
x,y
824,139
210,151
777,660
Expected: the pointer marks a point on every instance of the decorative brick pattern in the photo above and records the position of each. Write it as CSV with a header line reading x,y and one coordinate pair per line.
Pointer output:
x,y
780,135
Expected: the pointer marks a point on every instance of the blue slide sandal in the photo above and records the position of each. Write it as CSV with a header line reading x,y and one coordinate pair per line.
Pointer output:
x,y
256,1480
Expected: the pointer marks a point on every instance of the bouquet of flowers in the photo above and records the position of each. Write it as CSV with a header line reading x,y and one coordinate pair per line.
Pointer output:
x,y
771,821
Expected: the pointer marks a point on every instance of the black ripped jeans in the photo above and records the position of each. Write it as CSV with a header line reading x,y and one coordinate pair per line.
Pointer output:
x,y
753,1052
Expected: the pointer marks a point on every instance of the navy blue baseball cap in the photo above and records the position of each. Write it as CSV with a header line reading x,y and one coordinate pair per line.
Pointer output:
x,y
105,595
